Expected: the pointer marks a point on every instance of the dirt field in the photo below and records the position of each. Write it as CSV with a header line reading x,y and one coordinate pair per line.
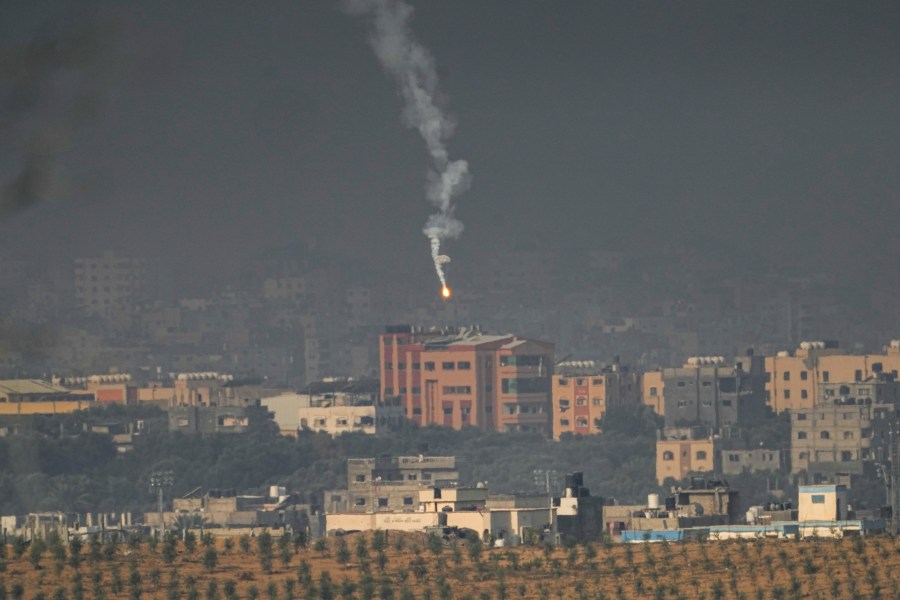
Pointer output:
x,y
411,567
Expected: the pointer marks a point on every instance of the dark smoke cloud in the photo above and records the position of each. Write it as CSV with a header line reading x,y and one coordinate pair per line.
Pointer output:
x,y
53,85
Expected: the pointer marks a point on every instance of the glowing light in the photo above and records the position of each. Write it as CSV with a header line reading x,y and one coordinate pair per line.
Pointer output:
x,y
445,292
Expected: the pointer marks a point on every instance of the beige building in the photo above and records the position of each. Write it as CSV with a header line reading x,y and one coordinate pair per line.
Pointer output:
x,y
582,392
373,418
837,437
681,451
822,503
653,391
736,461
37,397
794,378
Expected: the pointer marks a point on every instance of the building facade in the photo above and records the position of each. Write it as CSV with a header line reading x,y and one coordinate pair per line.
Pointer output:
x,y
582,392
392,484
464,377
681,451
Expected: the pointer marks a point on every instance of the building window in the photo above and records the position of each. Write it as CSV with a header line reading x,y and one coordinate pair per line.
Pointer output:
x,y
360,478
457,389
448,410
595,401
388,391
667,455
701,454
803,393
388,366
412,477
341,422
681,384
824,375
463,365
597,381
581,422
417,411
401,366
803,455
416,366
653,392
706,384
579,381
787,375
734,458
846,456
563,381
848,435
448,365
726,402
359,501
429,366
564,422
801,435
407,500
382,502
801,416
825,435
682,403
818,498
857,376
580,401
787,394
416,390
804,375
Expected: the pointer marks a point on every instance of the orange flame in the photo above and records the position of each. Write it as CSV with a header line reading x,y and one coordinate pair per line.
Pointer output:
x,y
445,292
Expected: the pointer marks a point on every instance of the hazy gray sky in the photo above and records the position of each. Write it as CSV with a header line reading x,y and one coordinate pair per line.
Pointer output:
x,y
223,129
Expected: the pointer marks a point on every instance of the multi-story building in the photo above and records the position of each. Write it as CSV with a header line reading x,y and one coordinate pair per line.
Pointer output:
x,y
735,461
334,418
707,391
464,377
794,379
582,392
681,451
392,483
841,435
111,283
653,391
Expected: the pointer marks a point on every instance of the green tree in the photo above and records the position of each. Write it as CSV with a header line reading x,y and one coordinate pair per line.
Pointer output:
x,y
190,542
75,546
264,551
210,558
342,553
212,590
36,552
326,587
19,545
435,544
244,544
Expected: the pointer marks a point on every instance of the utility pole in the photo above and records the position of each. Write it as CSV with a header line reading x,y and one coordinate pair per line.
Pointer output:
x,y
161,481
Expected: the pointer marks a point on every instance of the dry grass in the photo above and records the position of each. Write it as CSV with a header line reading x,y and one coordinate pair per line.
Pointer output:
x,y
849,568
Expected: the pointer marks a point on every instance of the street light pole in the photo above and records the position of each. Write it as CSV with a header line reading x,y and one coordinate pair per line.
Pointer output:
x,y
161,481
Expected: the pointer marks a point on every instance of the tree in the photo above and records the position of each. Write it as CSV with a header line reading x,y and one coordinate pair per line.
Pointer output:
x,y
20,545
190,542
342,553
435,544
264,551
36,553
210,558
170,548
244,543
75,545
212,590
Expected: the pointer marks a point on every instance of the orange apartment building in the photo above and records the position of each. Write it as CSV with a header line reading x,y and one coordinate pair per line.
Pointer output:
x,y
684,450
582,392
794,379
464,377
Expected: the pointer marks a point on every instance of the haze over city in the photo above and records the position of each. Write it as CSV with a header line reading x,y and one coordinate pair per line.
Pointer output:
x,y
484,272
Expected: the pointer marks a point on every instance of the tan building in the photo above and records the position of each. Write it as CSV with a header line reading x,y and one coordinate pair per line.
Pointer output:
x,y
372,418
464,377
653,391
392,483
681,451
736,461
37,397
794,379
837,437
582,392
822,503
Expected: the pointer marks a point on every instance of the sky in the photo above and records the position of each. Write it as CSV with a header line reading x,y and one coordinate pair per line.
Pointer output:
x,y
217,132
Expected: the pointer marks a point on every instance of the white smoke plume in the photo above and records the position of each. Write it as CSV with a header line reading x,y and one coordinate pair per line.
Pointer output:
x,y
412,67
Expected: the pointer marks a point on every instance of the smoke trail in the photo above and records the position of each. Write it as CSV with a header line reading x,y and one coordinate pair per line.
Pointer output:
x,y
412,67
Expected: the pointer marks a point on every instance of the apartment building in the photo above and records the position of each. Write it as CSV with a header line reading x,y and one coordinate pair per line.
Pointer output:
x,y
708,391
582,392
841,436
681,451
653,391
459,377
392,483
110,283
794,378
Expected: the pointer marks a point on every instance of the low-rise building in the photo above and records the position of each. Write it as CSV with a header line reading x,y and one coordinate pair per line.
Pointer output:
x,y
681,451
734,461
219,419
392,483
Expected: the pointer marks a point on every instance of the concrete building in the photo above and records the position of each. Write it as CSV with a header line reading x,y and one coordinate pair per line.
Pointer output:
x,y
653,391
111,283
464,377
37,397
219,419
582,392
822,503
839,437
681,451
334,418
794,378
392,483
707,391
734,461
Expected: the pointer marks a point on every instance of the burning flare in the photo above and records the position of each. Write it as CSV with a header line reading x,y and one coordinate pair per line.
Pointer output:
x,y
445,292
